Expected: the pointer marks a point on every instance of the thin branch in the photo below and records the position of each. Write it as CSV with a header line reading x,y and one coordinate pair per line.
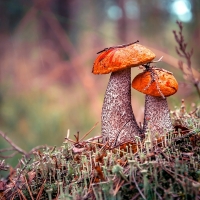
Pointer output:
x,y
88,132
8,156
41,189
69,140
94,138
118,46
36,149
138,188
27,185
21,193
6,149
12,143
16,184
159,197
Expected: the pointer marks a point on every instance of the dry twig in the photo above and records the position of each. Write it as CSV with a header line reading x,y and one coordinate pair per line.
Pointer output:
x,y
182,52
12,143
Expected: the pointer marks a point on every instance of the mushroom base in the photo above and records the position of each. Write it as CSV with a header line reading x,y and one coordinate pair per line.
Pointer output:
x,y
118,121
156,116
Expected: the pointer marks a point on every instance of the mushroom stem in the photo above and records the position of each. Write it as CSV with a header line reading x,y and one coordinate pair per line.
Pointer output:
x,y
118,121
156,115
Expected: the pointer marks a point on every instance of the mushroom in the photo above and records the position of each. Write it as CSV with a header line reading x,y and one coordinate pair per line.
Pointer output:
x,y
157,84
118,122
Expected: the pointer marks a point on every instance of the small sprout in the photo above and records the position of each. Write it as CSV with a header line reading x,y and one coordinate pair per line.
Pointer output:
x,y
132,163
60,184
142,157
147,142
117,169
196,185
144,171
49,193
58,174
105,171
131,151
85,177
145,181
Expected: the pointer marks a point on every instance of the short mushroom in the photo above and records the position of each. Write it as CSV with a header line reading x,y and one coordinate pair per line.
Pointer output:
x,y
118,122
156,84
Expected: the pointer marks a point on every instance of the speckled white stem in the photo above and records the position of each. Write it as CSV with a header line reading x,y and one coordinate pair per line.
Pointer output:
x,y
117,118
156,115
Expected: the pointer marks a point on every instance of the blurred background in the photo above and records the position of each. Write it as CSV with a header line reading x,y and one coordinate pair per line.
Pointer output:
x,y
47,50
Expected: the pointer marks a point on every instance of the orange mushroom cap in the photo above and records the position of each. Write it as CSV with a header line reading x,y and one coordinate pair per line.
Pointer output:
x,y
164,80
115,58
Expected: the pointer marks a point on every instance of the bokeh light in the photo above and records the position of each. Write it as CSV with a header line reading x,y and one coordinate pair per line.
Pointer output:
x,y
132,9
182,9
114,12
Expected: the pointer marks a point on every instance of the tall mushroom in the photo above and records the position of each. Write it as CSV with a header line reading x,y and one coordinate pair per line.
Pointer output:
x,y
156,84
118,122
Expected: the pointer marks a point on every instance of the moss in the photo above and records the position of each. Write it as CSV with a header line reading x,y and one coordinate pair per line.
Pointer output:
x,y
167,168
